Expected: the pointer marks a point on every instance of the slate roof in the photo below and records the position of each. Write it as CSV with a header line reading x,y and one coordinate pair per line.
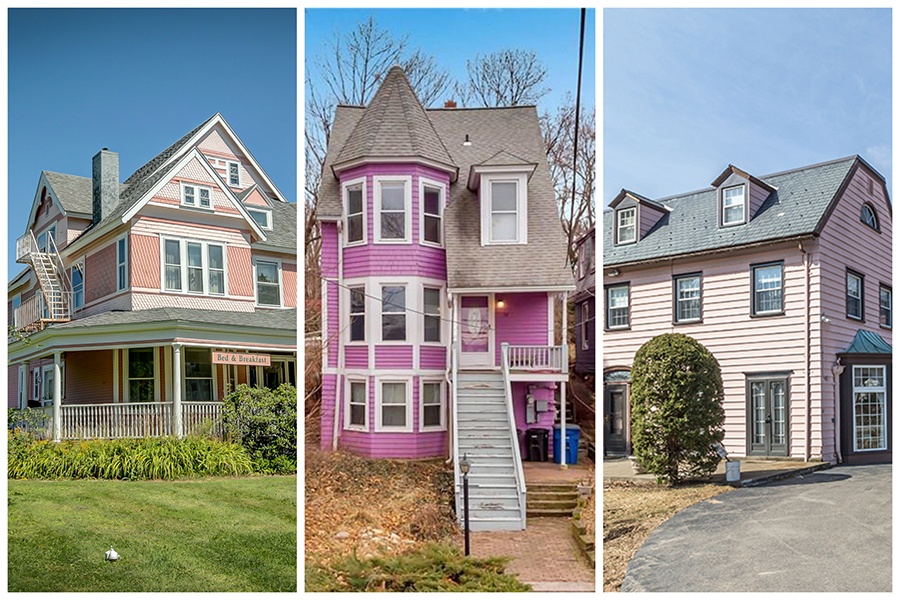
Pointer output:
x,y
868,342
796,208
285,320
74,192
394,125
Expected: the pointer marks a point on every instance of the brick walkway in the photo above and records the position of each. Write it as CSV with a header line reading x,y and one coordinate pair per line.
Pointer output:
x,y
544,552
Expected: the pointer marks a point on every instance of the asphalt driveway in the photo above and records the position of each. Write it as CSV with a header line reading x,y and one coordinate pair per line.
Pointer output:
x,y
829,531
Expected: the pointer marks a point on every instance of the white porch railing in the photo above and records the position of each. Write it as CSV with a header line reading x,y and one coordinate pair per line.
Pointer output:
x,y
202,418
137,419
552,359
517,454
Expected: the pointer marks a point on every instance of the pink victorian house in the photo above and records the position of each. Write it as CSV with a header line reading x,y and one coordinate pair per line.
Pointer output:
x,y
786,279
143,302
443,263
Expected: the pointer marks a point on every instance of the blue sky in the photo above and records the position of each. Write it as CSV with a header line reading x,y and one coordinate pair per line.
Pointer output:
x,y
454,35
135,81
686,92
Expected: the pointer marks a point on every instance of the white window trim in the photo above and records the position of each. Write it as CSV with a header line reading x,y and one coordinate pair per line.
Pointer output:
x,y
443,397
75,265
440,315
345,297
377,182
423,182
197,187
265,211
49,393
120,261
883,391
408,428
521,181
348,380
345,187
126,388
410,300
743,205
16,302
277,261
609,308
585,320
633,226
204,259
228,164
678,301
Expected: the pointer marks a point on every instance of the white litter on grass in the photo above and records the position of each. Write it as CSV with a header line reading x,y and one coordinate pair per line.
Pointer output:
x,y
112,554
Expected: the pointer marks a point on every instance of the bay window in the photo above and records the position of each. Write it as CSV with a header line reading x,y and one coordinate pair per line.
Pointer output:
x,y
393,313
392,209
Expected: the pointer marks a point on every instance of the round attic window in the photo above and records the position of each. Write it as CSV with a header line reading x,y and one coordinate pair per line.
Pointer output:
x,y
868,216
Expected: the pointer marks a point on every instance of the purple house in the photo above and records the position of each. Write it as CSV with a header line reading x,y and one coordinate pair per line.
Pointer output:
x,y
443,264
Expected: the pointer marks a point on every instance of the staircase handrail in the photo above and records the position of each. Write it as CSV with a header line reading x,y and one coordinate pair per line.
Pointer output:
x,y
61,268
517,454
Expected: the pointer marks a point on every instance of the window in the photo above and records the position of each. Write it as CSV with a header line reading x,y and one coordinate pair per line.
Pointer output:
x,y
215,257
733,205
198,375
433,415
195,267
585,325
626,228
617,309
358,314
504,211
355,209
504,206
195,195
885,302
392,208
16,303
36,388
855,294
432,316
357,399
687,298
869,408
203,271
173,265
263,218
432,204
121,264
868,216
268,288
767,281
46,240
78,285
234,174
393,313
141,375
394,406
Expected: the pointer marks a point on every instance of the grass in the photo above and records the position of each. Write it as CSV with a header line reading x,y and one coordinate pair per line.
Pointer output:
x,y
631,511
214,534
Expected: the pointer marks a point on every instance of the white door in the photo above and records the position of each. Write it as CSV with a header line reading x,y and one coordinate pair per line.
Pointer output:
x,y
476,332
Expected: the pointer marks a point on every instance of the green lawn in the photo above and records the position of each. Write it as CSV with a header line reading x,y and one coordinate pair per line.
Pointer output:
x,y
214,534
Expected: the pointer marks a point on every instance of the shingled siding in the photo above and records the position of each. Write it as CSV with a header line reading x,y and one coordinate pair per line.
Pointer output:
x,y
394,259
742,344
523,320
100,273
89,377
289,284
145,267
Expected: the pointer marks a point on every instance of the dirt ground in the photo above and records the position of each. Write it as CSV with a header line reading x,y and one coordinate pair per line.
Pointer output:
x,y
631,511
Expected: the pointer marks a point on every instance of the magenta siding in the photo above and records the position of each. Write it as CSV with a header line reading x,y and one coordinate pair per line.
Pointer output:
x,y
356,357
542,391
327,407
393,357
432,357
330,274
524,321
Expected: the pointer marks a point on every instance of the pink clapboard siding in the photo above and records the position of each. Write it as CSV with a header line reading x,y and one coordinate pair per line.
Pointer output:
x,y
393,357
393,259
12,386
289,282
523,321
240,271
432,357
356,357
330,274
145,267
100,273
89,377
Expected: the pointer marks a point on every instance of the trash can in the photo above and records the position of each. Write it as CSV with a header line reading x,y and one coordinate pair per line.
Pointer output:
x,y
536,441
573,433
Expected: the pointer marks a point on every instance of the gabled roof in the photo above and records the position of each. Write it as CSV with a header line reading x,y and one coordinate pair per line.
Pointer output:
x,y
637,197
798,206
283,235
868,342
394,125
733,169
154,163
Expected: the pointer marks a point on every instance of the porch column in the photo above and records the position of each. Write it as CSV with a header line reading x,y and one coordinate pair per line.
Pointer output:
x,y
177,426
23,385
564,339
57,396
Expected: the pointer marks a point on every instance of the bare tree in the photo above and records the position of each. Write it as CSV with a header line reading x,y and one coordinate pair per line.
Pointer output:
x,y
505,78
558,130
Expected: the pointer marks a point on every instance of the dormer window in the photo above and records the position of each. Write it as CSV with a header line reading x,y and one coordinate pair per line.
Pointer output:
x,y
733,205
263,218
626,225
504,213
195,195
869,217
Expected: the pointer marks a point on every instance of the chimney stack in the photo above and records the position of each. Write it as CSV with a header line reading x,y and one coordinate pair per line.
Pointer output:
x,y
450,104
105,183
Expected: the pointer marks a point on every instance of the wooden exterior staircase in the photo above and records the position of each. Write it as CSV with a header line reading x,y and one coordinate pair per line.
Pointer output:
x,y
54,302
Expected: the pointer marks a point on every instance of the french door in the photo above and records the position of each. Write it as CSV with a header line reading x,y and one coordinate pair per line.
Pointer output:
x,y
767,423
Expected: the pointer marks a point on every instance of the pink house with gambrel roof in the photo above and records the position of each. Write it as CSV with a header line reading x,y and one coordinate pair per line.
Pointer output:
x,y
786,279
443,261
143,302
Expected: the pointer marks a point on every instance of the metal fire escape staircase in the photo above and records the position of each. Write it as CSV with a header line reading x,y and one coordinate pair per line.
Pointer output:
x,y
54,303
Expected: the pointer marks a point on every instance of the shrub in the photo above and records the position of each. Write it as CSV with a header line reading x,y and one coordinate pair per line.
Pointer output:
x,y
28,422
147,458
264,422
676,408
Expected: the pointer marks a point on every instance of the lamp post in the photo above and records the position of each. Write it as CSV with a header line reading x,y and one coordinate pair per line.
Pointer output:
x,y
464,469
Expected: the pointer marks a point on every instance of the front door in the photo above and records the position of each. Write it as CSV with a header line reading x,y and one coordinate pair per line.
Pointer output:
x,y
614,413
768,417
475,332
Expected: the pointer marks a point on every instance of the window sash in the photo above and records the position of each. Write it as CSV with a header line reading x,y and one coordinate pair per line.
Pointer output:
x,y
432,314
393,221
869,408
767,289
626,230
504,211
358,402
885,305
355,214
234,174
394,405
358,314
733,205
141,374
393,313
198,375
617,307
854,295
77,286
432,405
687,298
431,213
268,286
121,264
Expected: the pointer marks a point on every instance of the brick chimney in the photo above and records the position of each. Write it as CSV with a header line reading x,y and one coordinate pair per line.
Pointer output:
x,y
450,104
105,183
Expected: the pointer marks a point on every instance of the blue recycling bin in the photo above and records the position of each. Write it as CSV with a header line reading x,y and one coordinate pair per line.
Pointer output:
x,y
573,433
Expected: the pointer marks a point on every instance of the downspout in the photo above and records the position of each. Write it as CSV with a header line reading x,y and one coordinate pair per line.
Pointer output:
x,y
338,384
451,424
836,371
807,451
